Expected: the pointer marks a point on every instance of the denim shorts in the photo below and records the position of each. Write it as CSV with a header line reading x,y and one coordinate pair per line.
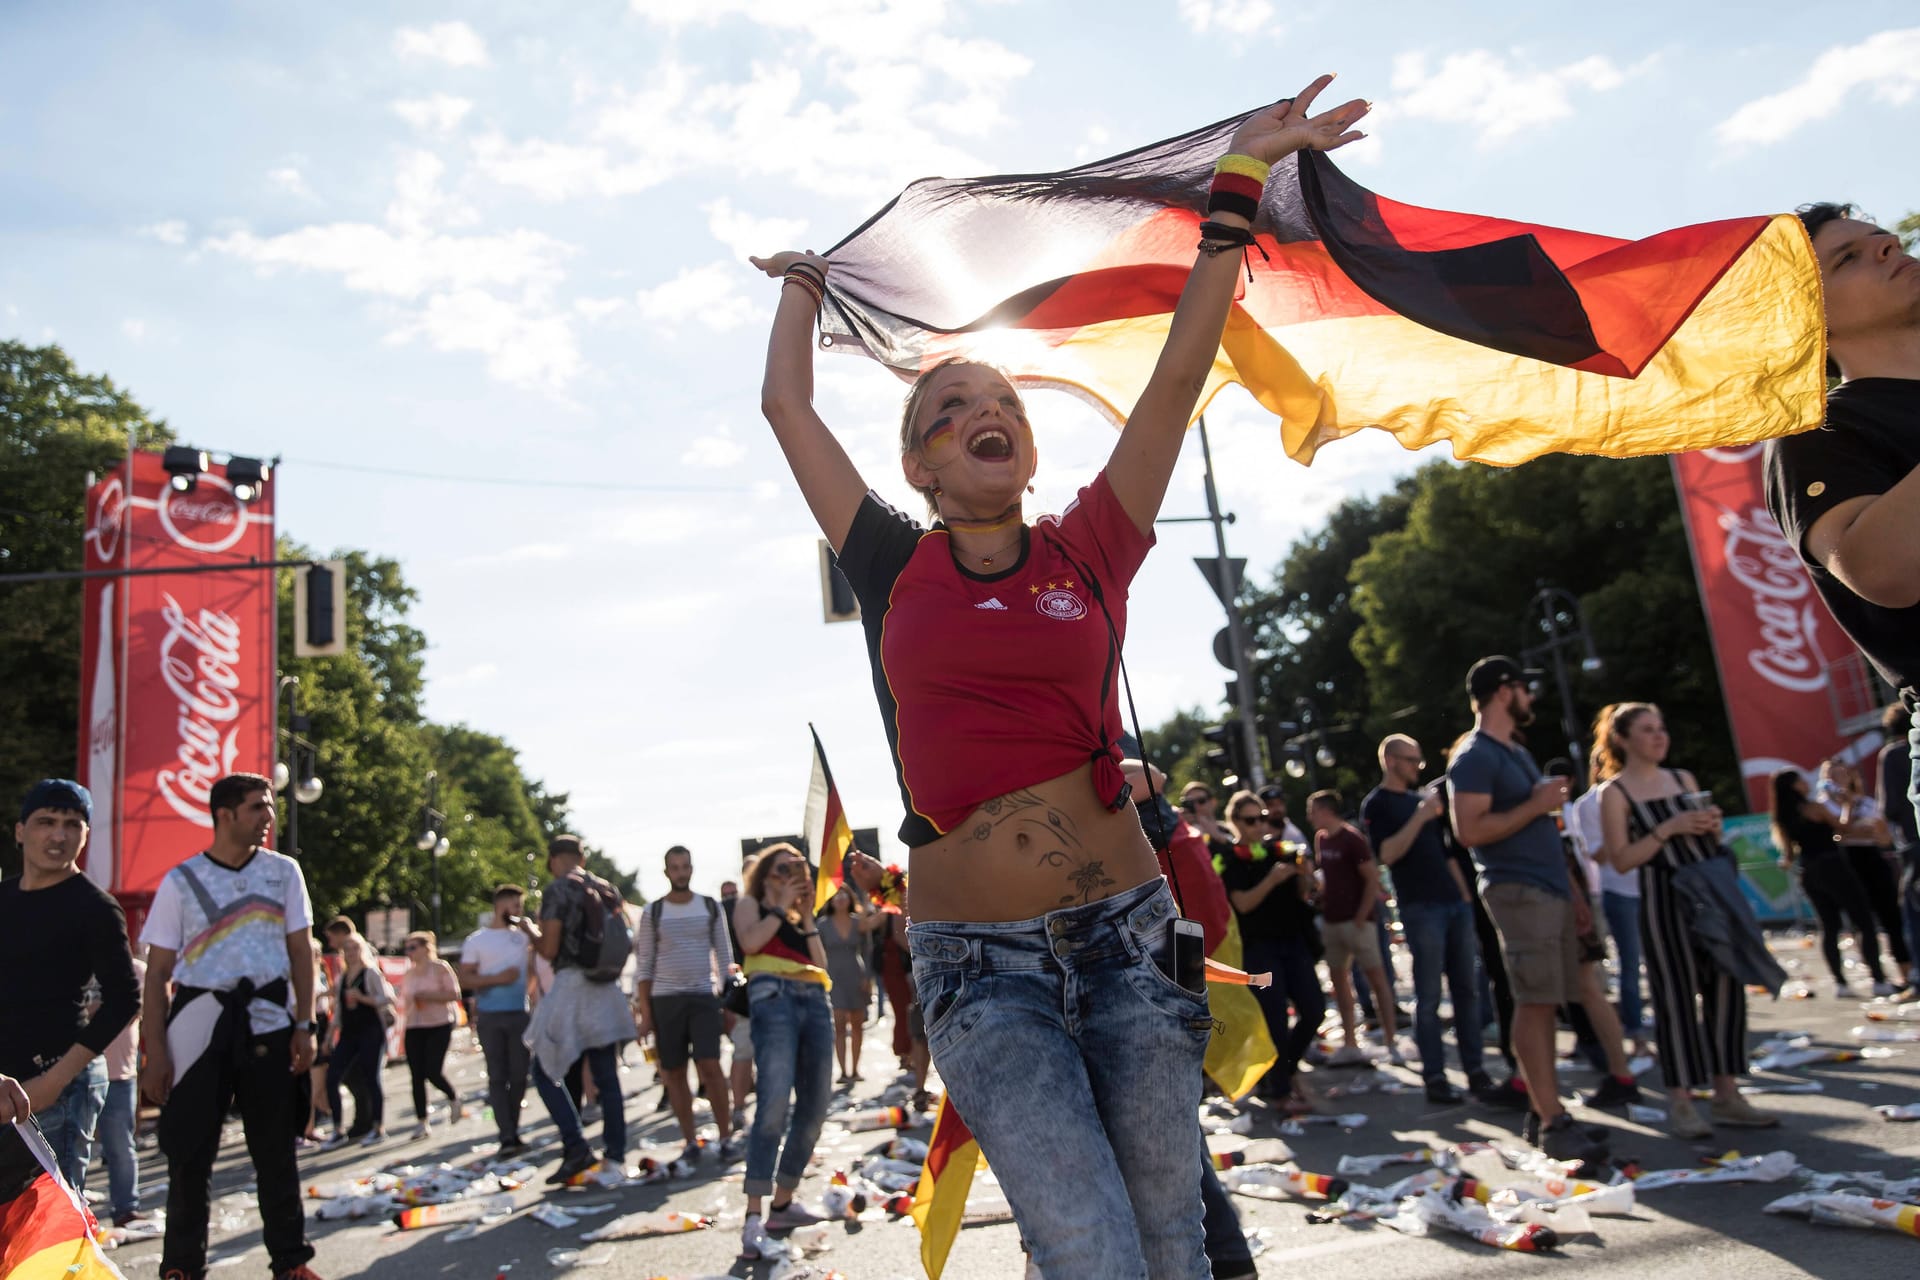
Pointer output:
x,y
1076,1061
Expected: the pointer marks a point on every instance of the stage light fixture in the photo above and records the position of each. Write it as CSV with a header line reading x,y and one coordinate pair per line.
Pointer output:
x,y
185,465
247,476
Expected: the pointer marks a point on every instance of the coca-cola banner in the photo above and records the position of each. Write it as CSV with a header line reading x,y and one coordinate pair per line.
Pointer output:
x,y
1773,639
177,684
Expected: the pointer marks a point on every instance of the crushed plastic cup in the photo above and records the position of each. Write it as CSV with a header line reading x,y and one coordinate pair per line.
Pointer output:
x,y
877,1118
1641,1114
1905,1111
1267,1182
1260,1151
809,1240
565,1258
657,1222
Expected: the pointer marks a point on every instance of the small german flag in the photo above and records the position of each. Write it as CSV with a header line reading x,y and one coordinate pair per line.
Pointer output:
x,y
940,1198
1506,339
826,825
46,1233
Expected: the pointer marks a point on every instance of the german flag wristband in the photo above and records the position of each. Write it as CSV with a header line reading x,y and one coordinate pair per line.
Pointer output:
x,y
1238,183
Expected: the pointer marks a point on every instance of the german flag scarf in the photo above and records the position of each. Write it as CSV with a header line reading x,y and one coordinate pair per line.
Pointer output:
x,y
1506,339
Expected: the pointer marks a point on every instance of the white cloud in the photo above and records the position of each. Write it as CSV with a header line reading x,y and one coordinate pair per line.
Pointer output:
x,y
1501,99
491,294
598,308
288,179
478,673
135,329
169,232
710,296
1236,17
454,43
713,453
438,113
524,553
746,234
525,345
402,264
1887,63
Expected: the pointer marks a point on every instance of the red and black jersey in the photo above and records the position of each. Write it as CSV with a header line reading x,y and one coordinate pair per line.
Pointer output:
x,y
992,682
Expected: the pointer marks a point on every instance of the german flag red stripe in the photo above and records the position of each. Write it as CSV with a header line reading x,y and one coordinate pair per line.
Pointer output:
x,y
1507,339
946,1178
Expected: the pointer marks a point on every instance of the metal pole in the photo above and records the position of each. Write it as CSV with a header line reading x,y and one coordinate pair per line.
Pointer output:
x,y
292,686
1238,646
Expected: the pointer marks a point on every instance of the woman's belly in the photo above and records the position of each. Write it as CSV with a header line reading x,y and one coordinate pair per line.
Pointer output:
x,y
1032,851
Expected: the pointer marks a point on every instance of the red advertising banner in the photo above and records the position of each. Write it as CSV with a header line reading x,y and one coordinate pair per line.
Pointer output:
x,y
1777,648
177,683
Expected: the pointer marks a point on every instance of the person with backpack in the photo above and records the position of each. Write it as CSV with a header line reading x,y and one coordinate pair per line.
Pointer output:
x,y
583,934
681,956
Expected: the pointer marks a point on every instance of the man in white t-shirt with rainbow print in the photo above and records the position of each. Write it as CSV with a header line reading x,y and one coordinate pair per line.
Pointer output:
x,y
232,927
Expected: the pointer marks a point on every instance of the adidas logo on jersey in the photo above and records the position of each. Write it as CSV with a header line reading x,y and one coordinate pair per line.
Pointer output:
x,y
993,603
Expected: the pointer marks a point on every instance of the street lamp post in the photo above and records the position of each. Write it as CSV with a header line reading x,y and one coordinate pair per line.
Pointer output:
x,y
1554,613
432,840
295,775
1312,733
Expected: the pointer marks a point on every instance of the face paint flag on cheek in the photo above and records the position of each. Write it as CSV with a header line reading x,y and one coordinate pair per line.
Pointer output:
x,y
1506,339
939,441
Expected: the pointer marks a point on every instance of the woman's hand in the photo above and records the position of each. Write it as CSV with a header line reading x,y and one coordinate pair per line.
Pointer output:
x,y
1289,126
777,264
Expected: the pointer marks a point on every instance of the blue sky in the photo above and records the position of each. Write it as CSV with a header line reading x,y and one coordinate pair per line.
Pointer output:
x,y
507,241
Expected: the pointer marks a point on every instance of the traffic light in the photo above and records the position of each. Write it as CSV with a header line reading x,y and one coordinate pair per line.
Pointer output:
x,y
838,602
1227,751
320,609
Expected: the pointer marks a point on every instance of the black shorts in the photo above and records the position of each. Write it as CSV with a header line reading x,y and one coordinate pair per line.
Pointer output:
x,y
681,1023
916,1023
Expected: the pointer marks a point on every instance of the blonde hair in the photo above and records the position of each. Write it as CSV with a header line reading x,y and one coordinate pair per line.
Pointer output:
x,y
426,936
754,879
1612,723
1234,801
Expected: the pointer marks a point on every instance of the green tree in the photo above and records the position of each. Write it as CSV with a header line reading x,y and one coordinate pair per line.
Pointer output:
x,y
1454,585
57,424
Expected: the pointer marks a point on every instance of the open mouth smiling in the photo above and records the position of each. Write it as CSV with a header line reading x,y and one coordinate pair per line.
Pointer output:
x,y
993,444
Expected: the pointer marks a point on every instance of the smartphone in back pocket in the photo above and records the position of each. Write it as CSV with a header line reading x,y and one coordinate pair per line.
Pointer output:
x,y
1186,958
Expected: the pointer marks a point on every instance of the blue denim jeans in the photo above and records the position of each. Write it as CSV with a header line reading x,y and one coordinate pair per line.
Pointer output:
x,y
1623,922
1076,1062
69,1124
116,1146
1440,935
792,1027
604,1063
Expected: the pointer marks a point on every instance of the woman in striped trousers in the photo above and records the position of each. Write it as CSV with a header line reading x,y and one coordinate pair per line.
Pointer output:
x,y
1657,820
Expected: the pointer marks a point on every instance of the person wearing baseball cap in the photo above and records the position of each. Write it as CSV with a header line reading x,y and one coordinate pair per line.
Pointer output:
x,y
1503,810
59,932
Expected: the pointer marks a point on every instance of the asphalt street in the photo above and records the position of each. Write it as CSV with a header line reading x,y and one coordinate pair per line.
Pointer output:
x,y
1708,1232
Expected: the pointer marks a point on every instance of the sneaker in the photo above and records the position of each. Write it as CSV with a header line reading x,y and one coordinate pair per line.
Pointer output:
x,y
419,1131
1439,1091
1685,1122
1507,1095
1597,1133
1564,1140
1348,1055
1841,991
1479,1082
1910,995
589,1113
572,1165
334,1143
1737,1111
792,1214
733,1148
373,1138
754,1244
690,1154
511,1149
1883,989
1612,1093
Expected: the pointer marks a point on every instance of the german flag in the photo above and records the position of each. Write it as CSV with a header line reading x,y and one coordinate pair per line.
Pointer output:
x,y
940,1197
828,834
1241,1049
46,1232
1506,339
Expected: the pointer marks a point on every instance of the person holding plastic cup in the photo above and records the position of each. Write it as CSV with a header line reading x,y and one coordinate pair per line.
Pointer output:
x,y
1657,820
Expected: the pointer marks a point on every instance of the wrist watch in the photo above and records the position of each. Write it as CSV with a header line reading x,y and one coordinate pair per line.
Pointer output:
x,y
307,1025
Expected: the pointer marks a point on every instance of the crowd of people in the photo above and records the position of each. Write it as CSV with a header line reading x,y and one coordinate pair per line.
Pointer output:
x,y
1051,974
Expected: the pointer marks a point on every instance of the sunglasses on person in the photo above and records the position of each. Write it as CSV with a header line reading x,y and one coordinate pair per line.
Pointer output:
x,y
1404,757
1247,815
416,946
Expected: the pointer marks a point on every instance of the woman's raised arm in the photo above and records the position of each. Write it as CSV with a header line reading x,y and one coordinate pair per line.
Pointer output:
x,y
827,478
1142,461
